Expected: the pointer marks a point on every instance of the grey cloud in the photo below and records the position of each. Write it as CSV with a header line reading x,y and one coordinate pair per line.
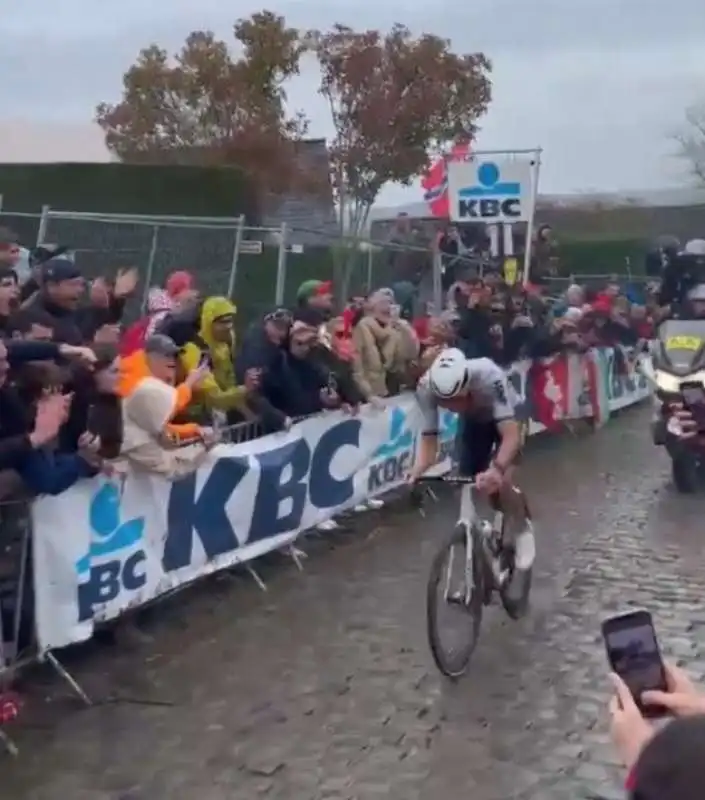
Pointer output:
x,y
599,83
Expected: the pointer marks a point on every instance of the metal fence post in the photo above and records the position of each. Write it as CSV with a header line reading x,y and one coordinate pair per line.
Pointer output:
x,y
0,204
281,267
150,266
437,284
370,260
239,232
43,225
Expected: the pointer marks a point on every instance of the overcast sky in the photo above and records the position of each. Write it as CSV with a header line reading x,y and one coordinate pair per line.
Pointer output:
x,y
599,84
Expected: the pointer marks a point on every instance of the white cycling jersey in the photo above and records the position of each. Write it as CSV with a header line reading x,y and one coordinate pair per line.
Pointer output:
x,y
493,398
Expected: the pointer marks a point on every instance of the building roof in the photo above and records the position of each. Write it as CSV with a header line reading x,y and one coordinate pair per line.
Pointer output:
x,y
310,216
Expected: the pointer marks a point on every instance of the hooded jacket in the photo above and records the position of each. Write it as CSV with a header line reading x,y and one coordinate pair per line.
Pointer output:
x,y
135,376
220,389
148,406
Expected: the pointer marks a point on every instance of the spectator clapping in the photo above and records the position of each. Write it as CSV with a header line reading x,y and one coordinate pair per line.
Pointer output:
x,y
181,370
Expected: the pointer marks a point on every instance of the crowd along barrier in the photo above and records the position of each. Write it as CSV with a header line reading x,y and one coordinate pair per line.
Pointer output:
x,y
101,548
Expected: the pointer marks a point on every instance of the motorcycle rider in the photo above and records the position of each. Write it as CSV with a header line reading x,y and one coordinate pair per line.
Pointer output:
x,y
683,282
683,297
663,251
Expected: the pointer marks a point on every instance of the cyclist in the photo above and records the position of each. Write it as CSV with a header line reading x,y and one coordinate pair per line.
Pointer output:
x,y
490,441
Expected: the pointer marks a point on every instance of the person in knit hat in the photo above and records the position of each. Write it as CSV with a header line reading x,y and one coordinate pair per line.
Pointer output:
x,y
180,286
178,293
316,294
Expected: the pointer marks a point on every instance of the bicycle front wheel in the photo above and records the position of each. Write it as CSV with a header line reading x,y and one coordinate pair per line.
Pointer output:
x,y
454,603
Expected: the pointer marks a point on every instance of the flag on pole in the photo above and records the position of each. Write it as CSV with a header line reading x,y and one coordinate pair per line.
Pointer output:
x,y
435,181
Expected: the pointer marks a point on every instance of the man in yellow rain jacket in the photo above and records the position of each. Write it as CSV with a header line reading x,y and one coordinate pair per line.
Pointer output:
x,y
215,342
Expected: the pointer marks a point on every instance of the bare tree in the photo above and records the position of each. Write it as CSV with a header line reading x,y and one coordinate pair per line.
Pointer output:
x,y
692,142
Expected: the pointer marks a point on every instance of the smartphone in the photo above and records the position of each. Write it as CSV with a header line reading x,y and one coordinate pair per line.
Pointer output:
x,y
205,361
694,401
634,654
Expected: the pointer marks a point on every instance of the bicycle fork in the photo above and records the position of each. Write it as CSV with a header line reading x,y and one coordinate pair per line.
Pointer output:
x,y
467,519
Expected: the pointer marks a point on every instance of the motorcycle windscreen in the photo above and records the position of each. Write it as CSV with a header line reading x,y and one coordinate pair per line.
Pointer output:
x,y
682,345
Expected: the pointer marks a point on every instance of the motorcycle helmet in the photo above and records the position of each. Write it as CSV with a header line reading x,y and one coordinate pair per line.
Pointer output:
x,y
697,293
695,247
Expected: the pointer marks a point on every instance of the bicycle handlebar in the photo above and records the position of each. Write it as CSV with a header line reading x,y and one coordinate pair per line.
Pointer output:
x,y
457,480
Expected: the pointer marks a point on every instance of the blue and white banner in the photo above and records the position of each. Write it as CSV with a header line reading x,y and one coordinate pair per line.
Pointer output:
x,y
101,548
624,384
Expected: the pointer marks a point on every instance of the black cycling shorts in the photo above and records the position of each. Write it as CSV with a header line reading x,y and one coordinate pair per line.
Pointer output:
x,y
477,442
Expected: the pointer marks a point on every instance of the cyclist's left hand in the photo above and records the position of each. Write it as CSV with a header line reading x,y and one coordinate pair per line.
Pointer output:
x,y
489,481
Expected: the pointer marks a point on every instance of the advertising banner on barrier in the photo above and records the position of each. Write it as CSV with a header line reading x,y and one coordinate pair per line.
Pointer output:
x,y
623,383
101,548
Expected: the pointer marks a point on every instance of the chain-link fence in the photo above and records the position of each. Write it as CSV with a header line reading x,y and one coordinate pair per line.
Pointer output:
x,y
25,226
258,267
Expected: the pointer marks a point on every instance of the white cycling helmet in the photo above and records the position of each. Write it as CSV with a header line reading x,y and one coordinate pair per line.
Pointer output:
x,y
448,375
695,247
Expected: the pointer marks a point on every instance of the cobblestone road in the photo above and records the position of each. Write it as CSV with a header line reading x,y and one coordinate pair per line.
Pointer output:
x,y
324,687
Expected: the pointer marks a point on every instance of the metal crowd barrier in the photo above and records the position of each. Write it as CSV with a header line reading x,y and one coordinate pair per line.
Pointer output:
x,y
18,646
17,640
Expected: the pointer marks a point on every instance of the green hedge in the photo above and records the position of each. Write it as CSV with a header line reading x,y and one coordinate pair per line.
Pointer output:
x,y
620,256
129,189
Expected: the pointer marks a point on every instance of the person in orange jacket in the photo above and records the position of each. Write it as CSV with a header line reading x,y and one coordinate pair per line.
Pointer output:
x,y
158,361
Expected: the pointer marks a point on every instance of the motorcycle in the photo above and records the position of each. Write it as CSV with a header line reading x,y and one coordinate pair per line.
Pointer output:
x,y
675,367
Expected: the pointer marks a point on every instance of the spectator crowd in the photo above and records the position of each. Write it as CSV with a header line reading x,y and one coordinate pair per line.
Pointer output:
x,y
81,391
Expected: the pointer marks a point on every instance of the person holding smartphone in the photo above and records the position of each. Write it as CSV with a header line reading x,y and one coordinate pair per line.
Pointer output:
x,y
631,731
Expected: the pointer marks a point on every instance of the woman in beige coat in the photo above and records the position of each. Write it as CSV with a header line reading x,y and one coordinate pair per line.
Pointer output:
x,y
384,349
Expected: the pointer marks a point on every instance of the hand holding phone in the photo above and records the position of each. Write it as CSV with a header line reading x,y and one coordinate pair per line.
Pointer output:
x,y
634,655
694,401
629,730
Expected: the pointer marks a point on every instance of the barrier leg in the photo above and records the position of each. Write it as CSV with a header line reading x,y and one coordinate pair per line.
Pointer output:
x,y
8,744
256,577
68,677
21,585
5,740
297,556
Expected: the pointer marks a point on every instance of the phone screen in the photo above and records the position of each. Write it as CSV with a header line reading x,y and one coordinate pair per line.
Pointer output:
x,y
634,654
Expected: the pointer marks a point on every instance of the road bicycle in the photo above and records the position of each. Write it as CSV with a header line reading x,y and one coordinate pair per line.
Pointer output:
x,y
487,564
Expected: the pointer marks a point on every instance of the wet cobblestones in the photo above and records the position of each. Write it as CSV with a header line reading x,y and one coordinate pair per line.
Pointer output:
x,y
323,687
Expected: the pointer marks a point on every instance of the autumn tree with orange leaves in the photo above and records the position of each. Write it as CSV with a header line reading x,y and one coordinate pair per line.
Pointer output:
x,y
206,106
393,98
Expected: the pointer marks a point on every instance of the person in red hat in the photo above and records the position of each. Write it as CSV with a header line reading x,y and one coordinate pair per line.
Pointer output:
x,y
179,292
181,288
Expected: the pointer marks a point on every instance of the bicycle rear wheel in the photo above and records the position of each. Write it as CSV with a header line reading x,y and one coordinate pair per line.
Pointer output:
x,y
445,593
